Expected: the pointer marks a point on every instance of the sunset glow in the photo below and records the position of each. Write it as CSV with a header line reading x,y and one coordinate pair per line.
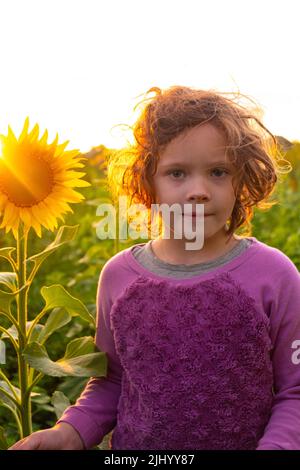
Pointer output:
x,y
78,66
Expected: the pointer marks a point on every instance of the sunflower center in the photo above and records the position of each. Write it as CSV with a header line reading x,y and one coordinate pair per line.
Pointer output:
x,y
26,181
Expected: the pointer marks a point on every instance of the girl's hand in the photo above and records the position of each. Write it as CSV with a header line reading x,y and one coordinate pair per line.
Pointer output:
x,y
61,437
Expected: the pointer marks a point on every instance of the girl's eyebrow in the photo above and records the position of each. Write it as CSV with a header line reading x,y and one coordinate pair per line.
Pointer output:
x,y
185,164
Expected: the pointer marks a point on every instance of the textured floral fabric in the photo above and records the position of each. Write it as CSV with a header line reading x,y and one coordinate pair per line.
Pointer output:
x,y
196,363
197,368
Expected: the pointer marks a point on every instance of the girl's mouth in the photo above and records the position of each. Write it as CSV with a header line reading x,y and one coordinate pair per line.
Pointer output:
x,y
195,215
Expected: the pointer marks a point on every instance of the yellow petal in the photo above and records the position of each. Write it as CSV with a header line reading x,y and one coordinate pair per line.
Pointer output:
x,y
44,138
11,135
15,231
38,216
73,174
60,148
9,215
24,130
25,216
77,183
37,227
34,133
70,195
54,143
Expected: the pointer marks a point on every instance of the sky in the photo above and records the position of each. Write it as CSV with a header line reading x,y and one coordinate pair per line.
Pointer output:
x,y
78,67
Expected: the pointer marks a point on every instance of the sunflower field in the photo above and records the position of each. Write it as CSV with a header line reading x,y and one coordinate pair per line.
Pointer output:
x,y
50,260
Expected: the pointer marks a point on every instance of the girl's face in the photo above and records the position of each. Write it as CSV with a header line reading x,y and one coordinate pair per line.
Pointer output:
x,y
193,169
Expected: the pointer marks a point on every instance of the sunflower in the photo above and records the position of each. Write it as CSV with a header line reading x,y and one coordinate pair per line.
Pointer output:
x,y
37,180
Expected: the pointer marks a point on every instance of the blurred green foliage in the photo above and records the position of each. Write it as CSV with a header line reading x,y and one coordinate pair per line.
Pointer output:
x,y
77,266
279,226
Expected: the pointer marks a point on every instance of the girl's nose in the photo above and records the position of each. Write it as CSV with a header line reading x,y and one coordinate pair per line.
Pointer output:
x,y
198,190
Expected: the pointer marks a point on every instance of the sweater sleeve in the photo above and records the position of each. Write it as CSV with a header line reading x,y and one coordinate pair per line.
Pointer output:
x,y
283,428
95,411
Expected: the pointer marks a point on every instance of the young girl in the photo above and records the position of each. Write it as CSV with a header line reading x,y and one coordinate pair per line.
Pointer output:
x,y
200,343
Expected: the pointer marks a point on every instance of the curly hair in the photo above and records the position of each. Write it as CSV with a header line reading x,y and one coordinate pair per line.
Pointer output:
x,y
250,146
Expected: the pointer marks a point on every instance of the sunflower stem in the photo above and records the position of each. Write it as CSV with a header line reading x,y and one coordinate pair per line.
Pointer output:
x,y
22,301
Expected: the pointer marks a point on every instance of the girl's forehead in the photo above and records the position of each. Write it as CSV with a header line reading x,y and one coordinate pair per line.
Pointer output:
x,y
195,155
205,136
195,162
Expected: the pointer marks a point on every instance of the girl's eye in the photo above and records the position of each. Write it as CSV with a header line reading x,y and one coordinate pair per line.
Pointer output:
x,y
220,170
175,172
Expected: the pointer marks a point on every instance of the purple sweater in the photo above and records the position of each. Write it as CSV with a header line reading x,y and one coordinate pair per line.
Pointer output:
x,y
197,363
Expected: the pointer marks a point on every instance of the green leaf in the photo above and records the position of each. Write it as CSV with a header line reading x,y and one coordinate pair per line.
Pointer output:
x,y
57,296
40,398
9,279
4,398
60,403
79,347
57,319
2,352
36,331
94,364
6,299
6,253
64,235
3,441
12,331
34,334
